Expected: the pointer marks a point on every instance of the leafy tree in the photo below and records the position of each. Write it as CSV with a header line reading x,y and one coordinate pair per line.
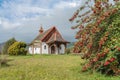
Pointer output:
x,y
18,48
99,35
8,44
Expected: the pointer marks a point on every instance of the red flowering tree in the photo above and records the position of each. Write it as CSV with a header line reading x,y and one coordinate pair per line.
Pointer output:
x,y
99,35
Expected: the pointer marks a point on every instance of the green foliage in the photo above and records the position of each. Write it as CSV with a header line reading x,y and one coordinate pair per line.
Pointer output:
x,y
18,48
7,45
68,51
106,58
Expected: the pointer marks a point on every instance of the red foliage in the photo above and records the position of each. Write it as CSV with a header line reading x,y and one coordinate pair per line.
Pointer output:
x,y
95,59
102,55
106,50
106,63
112,59
93,34
119,49
84,68
98,55
89,45
81,27
74,16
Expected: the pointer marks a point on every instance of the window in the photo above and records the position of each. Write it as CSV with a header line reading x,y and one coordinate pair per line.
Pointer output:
x,y
60,47
45,47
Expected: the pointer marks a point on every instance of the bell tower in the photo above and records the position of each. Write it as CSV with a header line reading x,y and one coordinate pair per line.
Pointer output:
x,y
41,30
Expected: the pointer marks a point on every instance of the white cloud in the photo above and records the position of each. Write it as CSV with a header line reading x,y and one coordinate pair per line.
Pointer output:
x,y
0,21
28,16
65,4
9,25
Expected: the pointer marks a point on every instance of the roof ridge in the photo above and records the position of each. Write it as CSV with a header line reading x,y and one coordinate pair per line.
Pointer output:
x,y
47,32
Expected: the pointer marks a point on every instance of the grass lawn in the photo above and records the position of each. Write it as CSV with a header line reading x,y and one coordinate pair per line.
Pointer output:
x,y
48,67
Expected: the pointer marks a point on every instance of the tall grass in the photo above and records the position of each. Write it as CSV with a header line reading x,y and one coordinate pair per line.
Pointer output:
x,y
48,67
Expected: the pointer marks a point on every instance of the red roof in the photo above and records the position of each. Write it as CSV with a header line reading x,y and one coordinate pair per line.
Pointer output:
x,y
49,36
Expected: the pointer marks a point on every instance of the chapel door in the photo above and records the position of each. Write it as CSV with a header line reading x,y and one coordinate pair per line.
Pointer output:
x,y
53,50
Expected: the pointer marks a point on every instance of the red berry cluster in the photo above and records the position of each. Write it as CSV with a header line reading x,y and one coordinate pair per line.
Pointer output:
x,y
109,61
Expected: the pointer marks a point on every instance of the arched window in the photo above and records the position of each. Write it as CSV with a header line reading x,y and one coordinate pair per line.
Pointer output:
x,y
45,47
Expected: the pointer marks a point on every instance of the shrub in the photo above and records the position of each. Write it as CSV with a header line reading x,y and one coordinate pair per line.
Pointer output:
x,y
67,51
18,48
3,61
7,45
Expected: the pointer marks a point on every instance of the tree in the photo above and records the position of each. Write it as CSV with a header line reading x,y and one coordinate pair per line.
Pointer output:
x,y
98,35
18,48
7,45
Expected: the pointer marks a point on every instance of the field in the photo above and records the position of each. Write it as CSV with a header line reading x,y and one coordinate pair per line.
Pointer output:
x,y
48,67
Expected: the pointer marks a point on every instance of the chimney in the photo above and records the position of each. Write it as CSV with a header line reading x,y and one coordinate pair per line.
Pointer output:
x,y
41,30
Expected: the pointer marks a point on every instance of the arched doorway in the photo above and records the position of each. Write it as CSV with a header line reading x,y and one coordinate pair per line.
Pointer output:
x,y
52,49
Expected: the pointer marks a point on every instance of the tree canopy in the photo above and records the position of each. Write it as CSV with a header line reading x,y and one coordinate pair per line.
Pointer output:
x,y
7,45
18,48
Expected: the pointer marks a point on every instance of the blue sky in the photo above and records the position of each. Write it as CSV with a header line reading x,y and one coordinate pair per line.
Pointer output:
x,y
22,18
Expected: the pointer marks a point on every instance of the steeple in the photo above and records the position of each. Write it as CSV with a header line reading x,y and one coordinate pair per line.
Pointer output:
x,y
41,30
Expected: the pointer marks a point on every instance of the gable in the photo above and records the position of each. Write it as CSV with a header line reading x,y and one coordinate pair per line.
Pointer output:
x,y
41,36
56,37
50,35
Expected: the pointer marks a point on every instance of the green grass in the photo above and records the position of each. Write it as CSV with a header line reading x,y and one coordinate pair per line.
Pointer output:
x,y
48,67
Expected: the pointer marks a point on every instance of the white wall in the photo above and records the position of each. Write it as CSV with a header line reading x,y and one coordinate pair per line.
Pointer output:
x,y
44,51
56,50
62,50
36,50
30,50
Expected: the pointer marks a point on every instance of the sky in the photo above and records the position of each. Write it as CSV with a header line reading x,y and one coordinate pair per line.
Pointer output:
x,y
22,19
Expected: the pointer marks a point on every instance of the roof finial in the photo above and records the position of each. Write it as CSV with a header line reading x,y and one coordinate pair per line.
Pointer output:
x,y
41,29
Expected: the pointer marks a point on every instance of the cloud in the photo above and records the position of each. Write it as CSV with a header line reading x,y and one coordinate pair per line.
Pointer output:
x,y
66,4
22,18
6,24
0,21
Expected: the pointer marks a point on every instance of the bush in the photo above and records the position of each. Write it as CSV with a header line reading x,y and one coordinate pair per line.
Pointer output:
x,y
3,61
7,45
68,50
18,48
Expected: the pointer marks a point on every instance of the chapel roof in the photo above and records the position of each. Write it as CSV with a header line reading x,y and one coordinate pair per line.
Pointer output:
x,y
56,37
49,36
